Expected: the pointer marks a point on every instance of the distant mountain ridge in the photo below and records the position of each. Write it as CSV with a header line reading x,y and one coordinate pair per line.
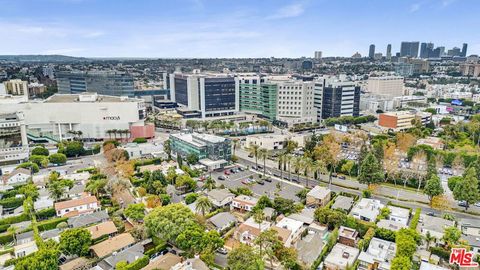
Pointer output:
x,y
41,58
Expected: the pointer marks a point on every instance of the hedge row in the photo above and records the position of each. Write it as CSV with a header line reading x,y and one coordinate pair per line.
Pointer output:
x,y
137,265
15,219
415,219
45,213
156,249
50,224
12,202
6,238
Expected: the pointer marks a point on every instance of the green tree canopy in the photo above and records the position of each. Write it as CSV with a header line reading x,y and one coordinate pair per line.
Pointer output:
x,y
57,158
467,189
75,241
169,221
40,151
244,258
135,211
433,187
44,259
370,170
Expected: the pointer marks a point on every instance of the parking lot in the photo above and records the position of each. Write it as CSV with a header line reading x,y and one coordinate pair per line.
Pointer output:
x,y
271,189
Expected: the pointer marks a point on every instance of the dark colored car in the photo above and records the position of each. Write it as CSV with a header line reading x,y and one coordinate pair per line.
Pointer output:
x,y
221,177
261,182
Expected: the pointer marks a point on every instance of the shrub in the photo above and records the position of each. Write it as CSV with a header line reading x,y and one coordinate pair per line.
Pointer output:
x,y
440,252
57,158
28,165
139,140
6,238
50,224
40,151
415,219
13,220
45,213
156,249
136,265
12,202
385,234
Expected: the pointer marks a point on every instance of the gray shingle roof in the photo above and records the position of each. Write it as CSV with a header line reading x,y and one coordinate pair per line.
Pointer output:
x,y
87,219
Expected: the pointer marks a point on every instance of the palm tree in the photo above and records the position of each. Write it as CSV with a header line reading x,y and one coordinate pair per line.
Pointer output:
x,y
56,189
263,154
203,205
13,230
309,165
429,238
109,132
281,160
209,183
115,131
298,166
259,217
253,150
288,160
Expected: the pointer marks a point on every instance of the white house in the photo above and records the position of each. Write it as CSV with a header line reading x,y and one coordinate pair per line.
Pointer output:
x,y
399,215
17,176
433,225
243,203
76,207
289,230
367,209
379,254
25,249
220,197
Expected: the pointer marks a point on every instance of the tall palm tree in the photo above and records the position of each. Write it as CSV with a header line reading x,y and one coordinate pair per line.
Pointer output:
x,y
109,132
253,150
309,165
263,154
288,160
209,183
281,161
298,166
13,230
115,131
203,205
259,217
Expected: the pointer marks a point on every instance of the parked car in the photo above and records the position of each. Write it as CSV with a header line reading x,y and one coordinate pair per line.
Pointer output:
x,y
342,177
432,214
268,179
477,204
261,182
245,182
227,172
250,155
462,203
241,169
221,177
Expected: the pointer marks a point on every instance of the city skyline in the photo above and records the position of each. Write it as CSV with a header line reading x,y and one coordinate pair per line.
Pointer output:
x,y
203,29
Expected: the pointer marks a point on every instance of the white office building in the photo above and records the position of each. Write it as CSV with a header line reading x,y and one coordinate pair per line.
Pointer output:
x,y
391,86
295,101
336,97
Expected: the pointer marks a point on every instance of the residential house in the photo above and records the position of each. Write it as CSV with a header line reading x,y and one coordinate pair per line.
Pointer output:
x,y
268,213
44,200
129,254
434,225
429,266
343,203
53,234
220,197
378,256
398,214
307,216
249,230
166,262
16,177
191,264
289,230
367,209
79,263
87,219
77,191
347,236
470,226
243,203
310,246
474,242
113,244
222,221
340,257
25,237
318,196
390,225
75,207
25,249
101,229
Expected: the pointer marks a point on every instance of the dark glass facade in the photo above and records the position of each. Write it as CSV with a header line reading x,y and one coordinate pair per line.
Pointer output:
x,y
219,94
332,101
103,83
181,91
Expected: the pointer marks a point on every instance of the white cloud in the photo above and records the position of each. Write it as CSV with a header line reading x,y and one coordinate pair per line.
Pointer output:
x,y
65,51
290,11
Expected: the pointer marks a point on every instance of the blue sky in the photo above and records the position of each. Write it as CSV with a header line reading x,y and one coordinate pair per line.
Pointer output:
x,y
231,28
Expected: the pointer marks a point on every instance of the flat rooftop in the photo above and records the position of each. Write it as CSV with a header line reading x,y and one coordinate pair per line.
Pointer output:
x,y
71,98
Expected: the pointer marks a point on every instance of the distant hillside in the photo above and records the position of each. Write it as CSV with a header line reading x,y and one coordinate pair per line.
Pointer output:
x,y
40,58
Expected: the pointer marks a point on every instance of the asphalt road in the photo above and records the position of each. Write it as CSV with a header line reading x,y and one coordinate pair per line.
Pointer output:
x,y
287,186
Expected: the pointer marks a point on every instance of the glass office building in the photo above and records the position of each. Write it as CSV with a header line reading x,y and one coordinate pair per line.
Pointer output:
x,y
203,145
259,98
104,83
